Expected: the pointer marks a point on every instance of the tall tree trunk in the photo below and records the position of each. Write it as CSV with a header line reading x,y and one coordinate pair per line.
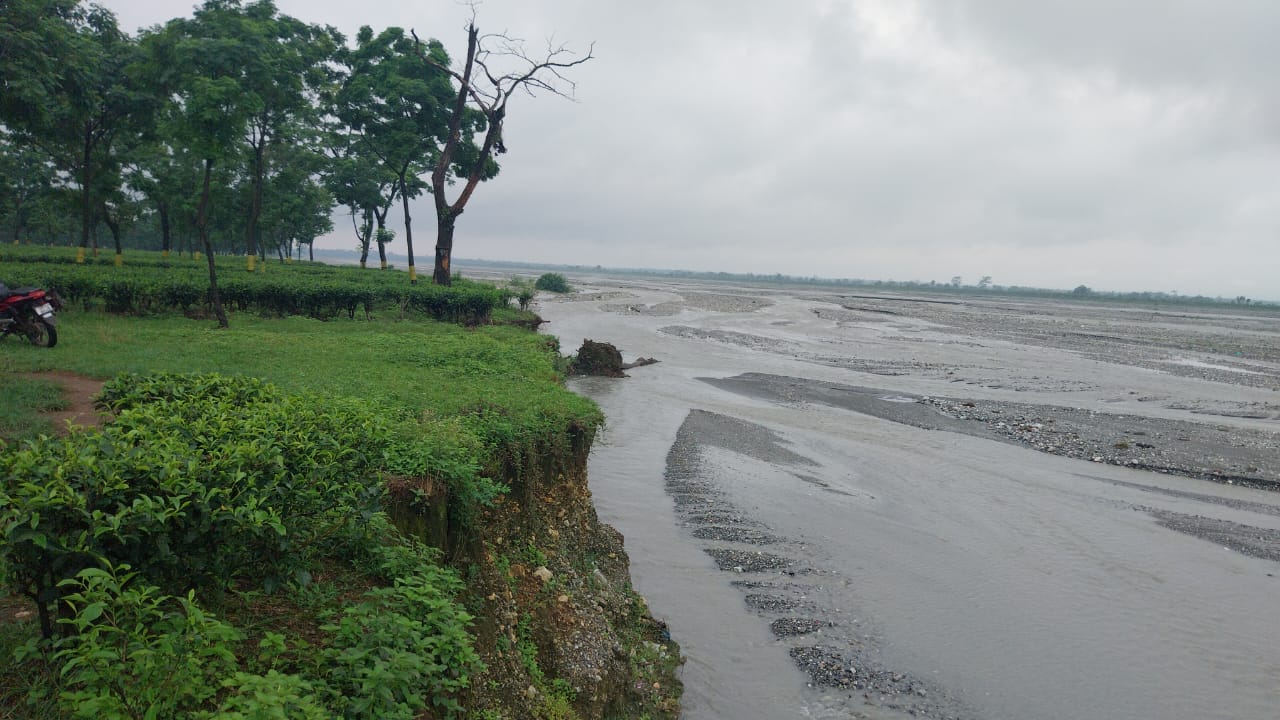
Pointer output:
x,y
202,222
166,232
255,203
408,232
442,274
380,236
86,199
363,238
311,250
114,226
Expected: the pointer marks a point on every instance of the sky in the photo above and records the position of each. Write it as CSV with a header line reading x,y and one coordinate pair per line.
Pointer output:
x,y
1120,145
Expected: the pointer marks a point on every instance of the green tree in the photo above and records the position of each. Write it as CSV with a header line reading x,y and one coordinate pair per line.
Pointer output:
x,y
25,179
283,57
298,206
395,109
37,40
80,114
361,182
202,67
169,178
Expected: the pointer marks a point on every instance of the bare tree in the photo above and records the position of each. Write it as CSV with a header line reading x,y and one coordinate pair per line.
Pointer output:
x,y
483,89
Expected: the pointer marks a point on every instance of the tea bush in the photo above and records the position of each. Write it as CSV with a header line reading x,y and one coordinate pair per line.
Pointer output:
x,y
314,291
204,484
188,465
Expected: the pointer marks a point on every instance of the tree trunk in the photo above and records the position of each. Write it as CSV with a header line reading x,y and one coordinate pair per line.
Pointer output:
x,y
255,203
166,232
382,225
442,274
363,238
114,226
202,222
86,201
19,221
408,233
311,251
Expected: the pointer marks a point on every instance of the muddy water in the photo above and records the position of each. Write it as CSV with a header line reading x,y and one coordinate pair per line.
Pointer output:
x,y
816,561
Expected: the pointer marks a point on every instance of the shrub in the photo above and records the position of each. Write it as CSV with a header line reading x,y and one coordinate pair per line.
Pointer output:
x,y
199,481
410,642
320,292
136,653
553,282
270,696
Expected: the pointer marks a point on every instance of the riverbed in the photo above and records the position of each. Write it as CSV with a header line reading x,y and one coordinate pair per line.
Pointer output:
x,y
887,506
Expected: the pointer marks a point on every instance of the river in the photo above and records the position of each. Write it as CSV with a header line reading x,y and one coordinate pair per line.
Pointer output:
x,y
818,558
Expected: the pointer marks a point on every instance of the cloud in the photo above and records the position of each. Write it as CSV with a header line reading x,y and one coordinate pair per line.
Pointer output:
x,y
1125,145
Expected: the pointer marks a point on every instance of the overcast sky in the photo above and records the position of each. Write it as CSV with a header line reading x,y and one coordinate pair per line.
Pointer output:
x,y
1129,145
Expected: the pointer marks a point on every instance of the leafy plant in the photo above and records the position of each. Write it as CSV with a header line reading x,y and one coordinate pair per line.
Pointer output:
x,y
200,480
320,292
269,696
403,649
136,653
553,282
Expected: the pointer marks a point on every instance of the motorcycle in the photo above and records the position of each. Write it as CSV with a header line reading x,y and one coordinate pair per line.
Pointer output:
x,y
29,312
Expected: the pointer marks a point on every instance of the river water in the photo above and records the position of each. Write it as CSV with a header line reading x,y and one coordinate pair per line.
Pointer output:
x,y
921,570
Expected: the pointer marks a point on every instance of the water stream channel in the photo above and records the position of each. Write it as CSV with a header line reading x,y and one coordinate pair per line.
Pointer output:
x,y
824,543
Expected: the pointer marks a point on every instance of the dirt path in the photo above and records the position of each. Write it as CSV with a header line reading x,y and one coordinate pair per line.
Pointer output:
x,y
79,392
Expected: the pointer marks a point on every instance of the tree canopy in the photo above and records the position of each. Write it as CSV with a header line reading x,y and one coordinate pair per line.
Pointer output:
x,y
239,129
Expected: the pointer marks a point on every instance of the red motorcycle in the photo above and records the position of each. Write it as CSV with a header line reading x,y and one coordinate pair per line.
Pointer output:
x,y
29,312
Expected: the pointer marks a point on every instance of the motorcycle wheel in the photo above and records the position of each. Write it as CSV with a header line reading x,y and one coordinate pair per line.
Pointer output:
x,y
41,333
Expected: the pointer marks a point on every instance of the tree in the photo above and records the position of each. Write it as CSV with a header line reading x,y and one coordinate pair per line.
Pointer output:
x,y
202,67
359,180
168,177
479,109
282,57
37,40
299,207
394,111
24,180
78,111
985,282
118,210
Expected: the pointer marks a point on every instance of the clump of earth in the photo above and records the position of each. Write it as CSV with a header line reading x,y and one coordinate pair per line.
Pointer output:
x,y
603,359
597,358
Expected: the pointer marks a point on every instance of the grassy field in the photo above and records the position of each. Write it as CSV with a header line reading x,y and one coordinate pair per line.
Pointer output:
x,y
441,399
413,366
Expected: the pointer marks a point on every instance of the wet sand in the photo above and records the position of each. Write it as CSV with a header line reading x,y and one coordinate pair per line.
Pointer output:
x,y
927,507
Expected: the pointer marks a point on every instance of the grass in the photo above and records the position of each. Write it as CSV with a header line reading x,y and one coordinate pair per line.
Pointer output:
x,y
503,378
491,390
21,401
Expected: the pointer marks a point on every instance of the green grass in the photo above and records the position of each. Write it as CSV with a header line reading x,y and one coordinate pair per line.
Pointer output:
x,y
488,393
22,398
502,379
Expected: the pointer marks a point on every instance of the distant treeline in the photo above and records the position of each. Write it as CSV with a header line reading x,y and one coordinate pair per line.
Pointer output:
x,y
1081,292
